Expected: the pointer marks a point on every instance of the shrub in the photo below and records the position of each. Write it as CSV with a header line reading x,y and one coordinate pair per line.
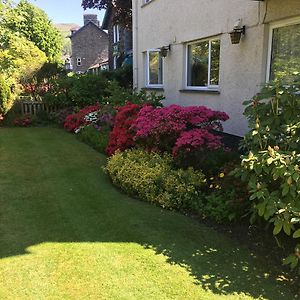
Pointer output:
x,y
119,96
95,137
227,197
123,76
271,167
60,116
5,96
161,127
75,121
152,177
121,137
77,91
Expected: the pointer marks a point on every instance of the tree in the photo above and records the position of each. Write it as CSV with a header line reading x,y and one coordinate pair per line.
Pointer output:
x,y
122,9
34,25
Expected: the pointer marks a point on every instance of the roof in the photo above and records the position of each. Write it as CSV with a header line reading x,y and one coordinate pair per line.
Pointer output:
x,y
83,27
106,18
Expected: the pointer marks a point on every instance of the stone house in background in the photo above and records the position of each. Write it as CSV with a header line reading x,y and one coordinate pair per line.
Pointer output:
x,y
215,53
120,42
89,45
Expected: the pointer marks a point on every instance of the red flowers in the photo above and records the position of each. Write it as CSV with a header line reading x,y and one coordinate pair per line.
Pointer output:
x,y
24,121
74,121
121,137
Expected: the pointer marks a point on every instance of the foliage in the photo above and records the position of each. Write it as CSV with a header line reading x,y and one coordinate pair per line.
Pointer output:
x,y
35,26
5,96
97,138
271,167
176,128
273,117
119,96
40,83
151,177
59,117
218,207
122,136
227,197
77,90
123,76
122,12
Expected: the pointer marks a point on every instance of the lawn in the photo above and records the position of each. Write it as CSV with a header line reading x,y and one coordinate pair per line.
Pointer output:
x,y
67,233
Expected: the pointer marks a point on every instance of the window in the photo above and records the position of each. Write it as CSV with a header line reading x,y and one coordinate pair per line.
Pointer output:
x,y
116,39
284,51
116,32
154,67
203,64
78,61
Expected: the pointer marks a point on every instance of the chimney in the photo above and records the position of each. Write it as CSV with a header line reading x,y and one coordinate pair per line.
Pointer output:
x,y
90,18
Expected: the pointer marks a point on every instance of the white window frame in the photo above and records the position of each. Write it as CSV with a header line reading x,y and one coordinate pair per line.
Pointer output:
x,y
274,25
148,73
78,61
208,87
116,33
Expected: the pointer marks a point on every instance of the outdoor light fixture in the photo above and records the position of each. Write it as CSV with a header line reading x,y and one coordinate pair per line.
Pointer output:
x,y
164,50
237,32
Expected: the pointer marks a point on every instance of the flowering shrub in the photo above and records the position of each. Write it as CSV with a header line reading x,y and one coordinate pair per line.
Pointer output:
x,y
74,121
151,177
122,135
23,121
171,128
195,139
271,166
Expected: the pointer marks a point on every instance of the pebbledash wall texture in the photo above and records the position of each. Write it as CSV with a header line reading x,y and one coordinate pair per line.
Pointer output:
x,y
89,45
202,66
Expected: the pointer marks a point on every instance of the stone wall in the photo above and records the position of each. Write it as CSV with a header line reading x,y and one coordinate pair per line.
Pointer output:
x,y
90,43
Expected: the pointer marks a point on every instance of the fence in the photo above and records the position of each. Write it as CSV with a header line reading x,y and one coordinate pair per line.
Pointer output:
x,y
33,107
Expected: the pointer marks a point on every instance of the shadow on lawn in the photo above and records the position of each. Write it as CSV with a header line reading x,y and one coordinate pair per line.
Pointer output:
x,y
209,258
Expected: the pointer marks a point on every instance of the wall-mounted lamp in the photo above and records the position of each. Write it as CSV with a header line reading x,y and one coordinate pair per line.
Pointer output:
x,y
165,50
237,32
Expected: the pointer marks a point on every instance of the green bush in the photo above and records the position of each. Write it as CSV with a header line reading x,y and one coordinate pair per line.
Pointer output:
x,y
119,96
77,91
218,206
123,76
94,138
152,177
5,96
272,166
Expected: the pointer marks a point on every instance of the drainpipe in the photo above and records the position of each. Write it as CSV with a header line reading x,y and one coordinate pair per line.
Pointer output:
x,y
135,50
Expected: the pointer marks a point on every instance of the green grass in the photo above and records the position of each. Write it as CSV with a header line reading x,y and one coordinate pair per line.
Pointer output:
x,y
66,233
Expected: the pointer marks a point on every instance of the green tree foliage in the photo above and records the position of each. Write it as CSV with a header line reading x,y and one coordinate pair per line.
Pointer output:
x,y
34,24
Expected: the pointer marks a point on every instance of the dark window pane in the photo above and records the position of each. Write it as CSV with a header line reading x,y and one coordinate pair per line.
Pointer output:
x,y
215,62
198,64
285,53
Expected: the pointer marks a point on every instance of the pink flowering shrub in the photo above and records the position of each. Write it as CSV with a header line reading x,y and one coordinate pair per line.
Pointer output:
x,y
196,138
160,128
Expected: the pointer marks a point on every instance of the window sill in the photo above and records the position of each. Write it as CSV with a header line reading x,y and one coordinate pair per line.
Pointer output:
x,y
152,88
204,91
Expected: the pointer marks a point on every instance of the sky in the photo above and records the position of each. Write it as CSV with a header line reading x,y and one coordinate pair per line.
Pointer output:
x,y
65,11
